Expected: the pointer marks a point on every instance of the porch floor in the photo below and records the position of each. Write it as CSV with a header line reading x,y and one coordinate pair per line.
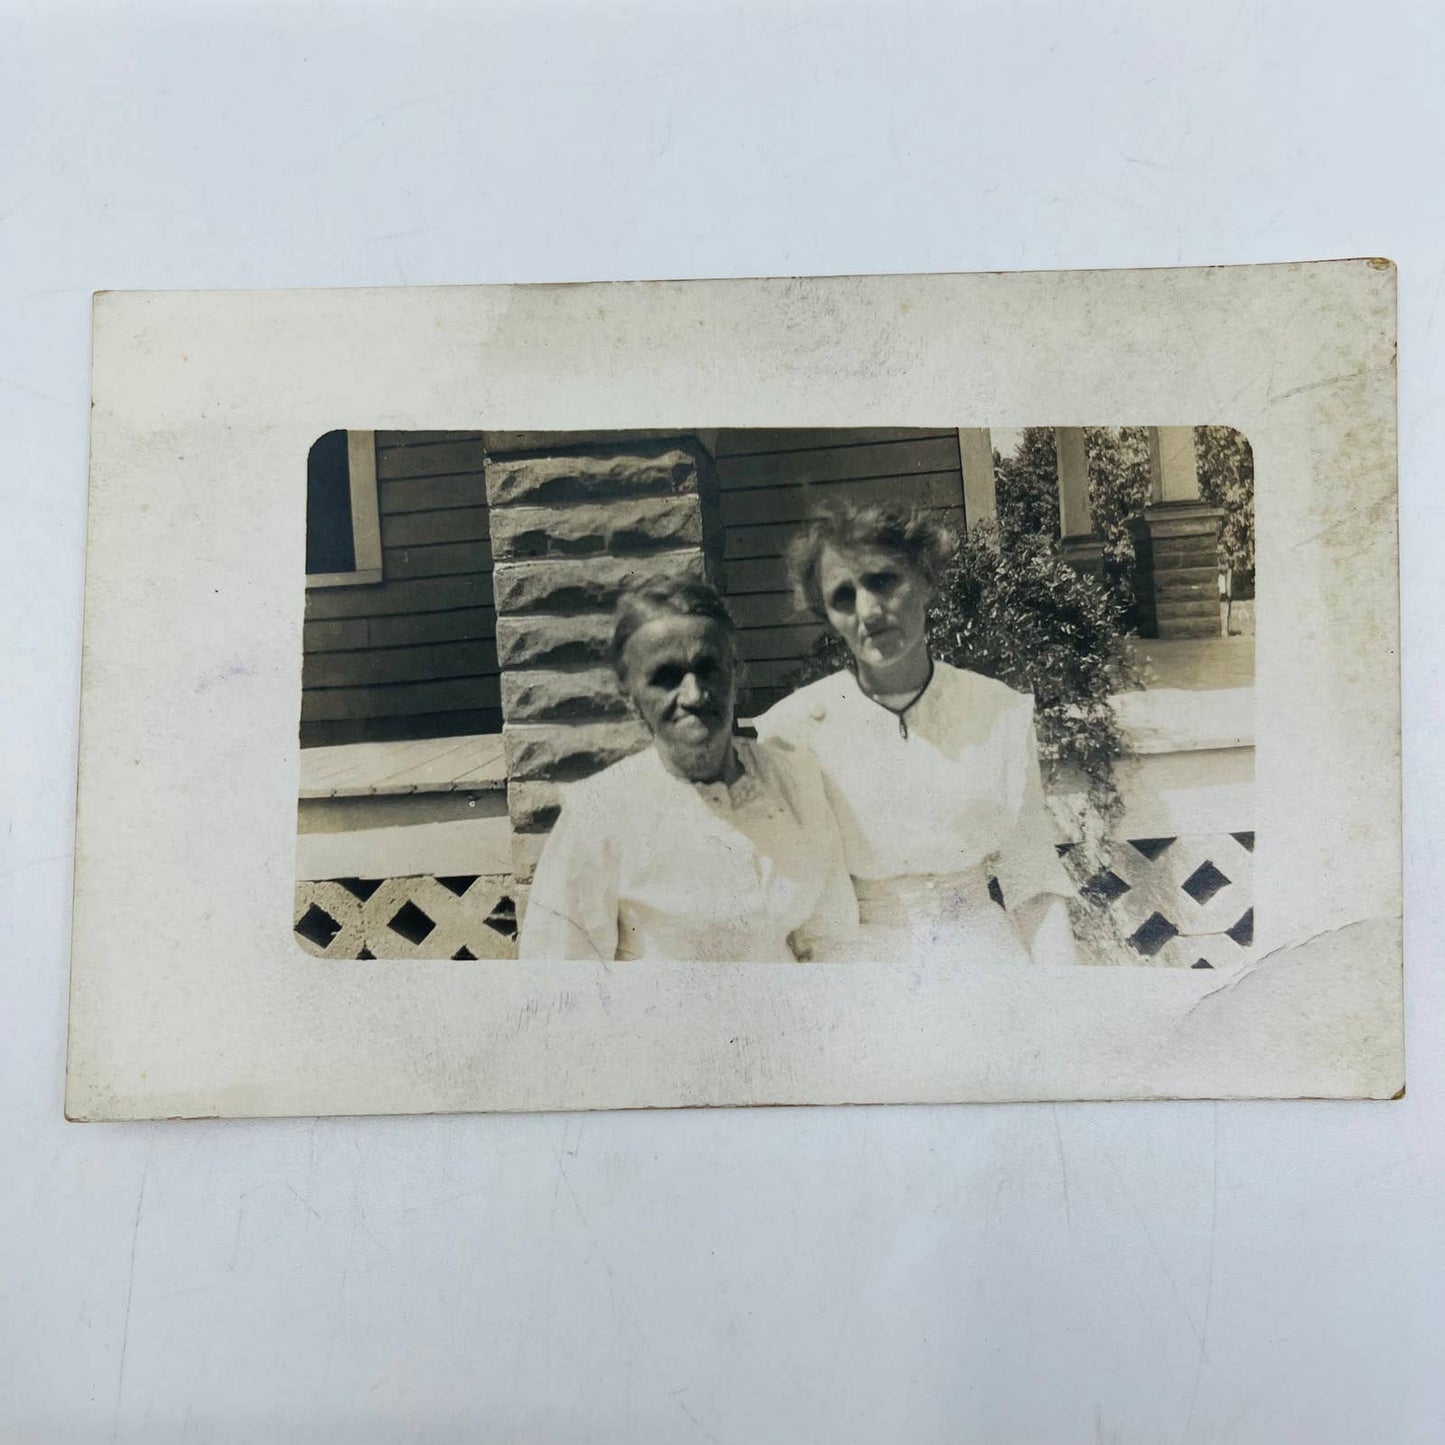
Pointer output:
x,y
471,764
1203,664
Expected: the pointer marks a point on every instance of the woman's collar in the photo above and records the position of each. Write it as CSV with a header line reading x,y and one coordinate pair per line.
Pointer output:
x,y
747,784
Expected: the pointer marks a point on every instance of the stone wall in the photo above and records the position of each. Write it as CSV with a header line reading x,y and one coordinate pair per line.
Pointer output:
x,y
570,529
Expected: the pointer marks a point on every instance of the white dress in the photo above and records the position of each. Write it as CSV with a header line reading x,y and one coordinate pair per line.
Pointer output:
x,y
645,865
928,818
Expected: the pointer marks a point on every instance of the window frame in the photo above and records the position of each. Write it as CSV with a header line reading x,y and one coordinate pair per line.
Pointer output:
x,y
365,517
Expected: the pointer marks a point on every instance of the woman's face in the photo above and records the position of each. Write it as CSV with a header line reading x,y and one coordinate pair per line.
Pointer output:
x,y
876,603
681,677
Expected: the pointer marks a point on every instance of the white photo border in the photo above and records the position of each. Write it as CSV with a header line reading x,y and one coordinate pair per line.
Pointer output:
x,y
188,995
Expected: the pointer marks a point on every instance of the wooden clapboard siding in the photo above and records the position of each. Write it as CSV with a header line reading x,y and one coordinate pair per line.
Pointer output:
x,y
457,492
851,462
769,481
421,529
441,559
760,441
357,633
403,664
332,731
387,599
760,644
428,459
413,655
400,699
794,504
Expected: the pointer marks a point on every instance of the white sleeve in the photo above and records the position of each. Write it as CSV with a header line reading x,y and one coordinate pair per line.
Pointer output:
x,y
780,723
834,919
572,911
1028,863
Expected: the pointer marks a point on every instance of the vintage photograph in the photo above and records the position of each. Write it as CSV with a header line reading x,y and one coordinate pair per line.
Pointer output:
x,y
891,695
995,701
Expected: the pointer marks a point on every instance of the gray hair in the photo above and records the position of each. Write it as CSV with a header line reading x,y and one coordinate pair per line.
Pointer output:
x,y
919,538
672,596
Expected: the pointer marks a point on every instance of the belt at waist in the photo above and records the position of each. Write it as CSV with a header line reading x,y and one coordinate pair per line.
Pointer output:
x,y
912,895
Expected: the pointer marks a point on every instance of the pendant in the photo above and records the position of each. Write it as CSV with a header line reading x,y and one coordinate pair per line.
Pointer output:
x,y
903,727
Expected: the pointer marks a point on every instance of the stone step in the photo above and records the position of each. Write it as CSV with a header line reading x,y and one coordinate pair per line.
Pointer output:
x,y
1175,611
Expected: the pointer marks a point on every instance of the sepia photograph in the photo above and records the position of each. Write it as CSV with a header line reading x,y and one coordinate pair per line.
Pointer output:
x,y
721,724
777,695
992,700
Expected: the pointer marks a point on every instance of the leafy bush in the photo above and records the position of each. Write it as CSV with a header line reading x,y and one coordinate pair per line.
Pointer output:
x,y
1118,458
1012,609
1226,480
1026,486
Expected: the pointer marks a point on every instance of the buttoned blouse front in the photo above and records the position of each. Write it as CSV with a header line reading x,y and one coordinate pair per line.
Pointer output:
x,y
960,791
645,865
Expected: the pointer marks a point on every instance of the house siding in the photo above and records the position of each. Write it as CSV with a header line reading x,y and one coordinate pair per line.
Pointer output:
x,y
415,655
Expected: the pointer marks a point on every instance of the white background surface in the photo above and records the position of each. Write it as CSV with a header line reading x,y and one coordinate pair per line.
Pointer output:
x,y
1092,1273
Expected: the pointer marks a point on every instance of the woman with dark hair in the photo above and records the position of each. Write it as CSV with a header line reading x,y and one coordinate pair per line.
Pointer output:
x,y
705,846
932,771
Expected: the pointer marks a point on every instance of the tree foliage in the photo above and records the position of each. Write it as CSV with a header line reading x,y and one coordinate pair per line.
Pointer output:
x,y
1118,458
1026,486
1226,480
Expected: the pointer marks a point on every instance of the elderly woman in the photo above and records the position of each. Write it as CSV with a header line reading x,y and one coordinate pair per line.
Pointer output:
x,y
932,771
704,846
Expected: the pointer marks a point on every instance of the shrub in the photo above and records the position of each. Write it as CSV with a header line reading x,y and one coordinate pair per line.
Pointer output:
x,y
1026,485
1118,490
1226,480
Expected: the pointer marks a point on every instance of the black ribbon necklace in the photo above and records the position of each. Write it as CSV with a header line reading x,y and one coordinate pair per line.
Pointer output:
x,y
901,713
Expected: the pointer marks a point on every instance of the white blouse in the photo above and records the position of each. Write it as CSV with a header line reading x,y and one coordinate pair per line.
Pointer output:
x,y
645,865
961,792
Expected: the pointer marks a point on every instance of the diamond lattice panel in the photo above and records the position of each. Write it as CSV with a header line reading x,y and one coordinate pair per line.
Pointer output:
x,y
328,921
407,918
1200,883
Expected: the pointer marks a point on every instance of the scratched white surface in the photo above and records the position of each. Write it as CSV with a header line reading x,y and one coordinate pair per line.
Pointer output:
x,y
1092,1273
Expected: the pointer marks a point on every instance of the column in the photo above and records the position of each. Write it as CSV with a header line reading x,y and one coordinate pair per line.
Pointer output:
x,y
1176,543
1077,542
975,456
570,530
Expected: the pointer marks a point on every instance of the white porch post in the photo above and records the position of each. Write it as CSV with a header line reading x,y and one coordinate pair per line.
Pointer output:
x,y
975,455
1080,547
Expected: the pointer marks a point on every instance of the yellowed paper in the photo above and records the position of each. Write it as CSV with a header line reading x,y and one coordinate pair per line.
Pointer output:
x,y
190,995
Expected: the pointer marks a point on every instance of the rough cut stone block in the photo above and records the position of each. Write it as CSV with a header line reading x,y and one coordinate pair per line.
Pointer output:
x,y
640,470
533,806
590,585
634,524
521,896
562,752
526,850
552,695
529,639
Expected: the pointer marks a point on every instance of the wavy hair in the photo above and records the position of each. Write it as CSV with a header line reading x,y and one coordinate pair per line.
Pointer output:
x,y
919,538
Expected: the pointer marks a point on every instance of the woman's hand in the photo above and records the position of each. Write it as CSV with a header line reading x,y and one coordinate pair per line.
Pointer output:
x,y
1043,923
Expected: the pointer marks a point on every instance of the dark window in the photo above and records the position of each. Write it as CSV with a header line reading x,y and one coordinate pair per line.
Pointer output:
x,y
330,544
